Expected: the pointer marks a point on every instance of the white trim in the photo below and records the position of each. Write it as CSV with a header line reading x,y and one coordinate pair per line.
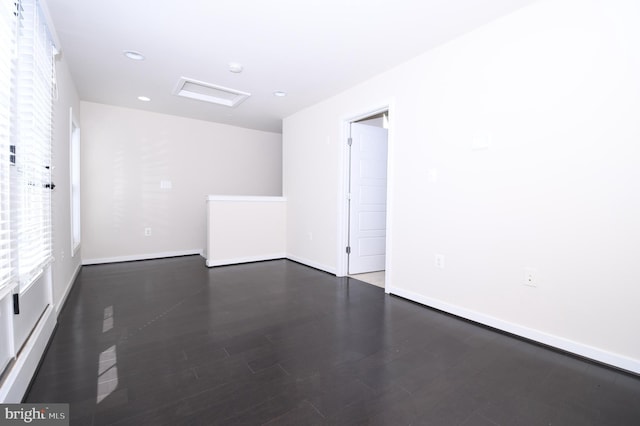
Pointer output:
x,y
67,290
234,261
612,359
9,289
342,259
312,264
32,280
73,123
141,257
20,374
391,183
243,198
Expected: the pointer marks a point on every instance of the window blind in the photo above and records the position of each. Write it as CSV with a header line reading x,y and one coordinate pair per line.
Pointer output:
x,y
7,57
31,176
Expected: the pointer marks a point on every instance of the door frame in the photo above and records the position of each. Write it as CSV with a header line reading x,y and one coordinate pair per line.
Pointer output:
x,y
343,188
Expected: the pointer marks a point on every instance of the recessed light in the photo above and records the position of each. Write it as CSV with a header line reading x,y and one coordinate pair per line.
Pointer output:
x,y
144,98
279,93
235,67
132,54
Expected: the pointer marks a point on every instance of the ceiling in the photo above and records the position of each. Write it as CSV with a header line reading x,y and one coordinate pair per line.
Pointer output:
x,y
309,49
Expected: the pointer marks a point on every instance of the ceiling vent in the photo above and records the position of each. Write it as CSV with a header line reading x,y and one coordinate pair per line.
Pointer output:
x,y
194,89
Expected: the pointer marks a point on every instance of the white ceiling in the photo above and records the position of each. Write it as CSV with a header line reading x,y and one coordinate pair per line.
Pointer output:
x,y
311,49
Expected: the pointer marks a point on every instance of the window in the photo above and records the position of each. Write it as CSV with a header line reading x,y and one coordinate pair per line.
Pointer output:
x,y
7,58
26,87
74,148
31,186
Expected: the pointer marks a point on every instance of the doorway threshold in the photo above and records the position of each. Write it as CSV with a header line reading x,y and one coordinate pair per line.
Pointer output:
x,y
374,278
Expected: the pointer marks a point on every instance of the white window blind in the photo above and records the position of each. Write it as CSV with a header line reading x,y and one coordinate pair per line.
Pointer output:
x,y
7,57
26,86
31,176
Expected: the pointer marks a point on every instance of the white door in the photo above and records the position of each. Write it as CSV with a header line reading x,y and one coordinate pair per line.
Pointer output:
x,y
368,205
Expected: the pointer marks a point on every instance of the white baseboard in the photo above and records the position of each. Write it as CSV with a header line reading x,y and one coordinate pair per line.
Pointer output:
x,y
234,261
67,290
140,257
17,381
312,264
596,354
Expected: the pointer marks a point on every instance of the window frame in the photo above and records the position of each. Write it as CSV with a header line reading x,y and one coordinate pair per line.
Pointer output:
x,y
74,183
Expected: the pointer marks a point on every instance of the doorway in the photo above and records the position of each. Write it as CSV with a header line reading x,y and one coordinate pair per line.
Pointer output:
x,y
367,197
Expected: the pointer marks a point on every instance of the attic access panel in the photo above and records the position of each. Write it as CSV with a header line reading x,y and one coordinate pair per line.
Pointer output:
x,y
207,92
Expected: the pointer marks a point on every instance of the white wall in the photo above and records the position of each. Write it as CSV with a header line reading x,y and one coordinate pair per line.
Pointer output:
x,y
245,229
554,89
66,266
126,154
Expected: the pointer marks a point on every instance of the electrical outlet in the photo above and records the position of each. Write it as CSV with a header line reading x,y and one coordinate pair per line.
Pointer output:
x,y
147,232
439,261
530,277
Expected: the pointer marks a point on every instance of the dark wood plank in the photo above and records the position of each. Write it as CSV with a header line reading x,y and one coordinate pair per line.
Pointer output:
x,y
172,342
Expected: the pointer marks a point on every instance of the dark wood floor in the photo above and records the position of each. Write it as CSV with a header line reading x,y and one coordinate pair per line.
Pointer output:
x,y
170,342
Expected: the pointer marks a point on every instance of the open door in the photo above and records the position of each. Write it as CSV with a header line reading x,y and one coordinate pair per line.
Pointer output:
x,y
368,198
